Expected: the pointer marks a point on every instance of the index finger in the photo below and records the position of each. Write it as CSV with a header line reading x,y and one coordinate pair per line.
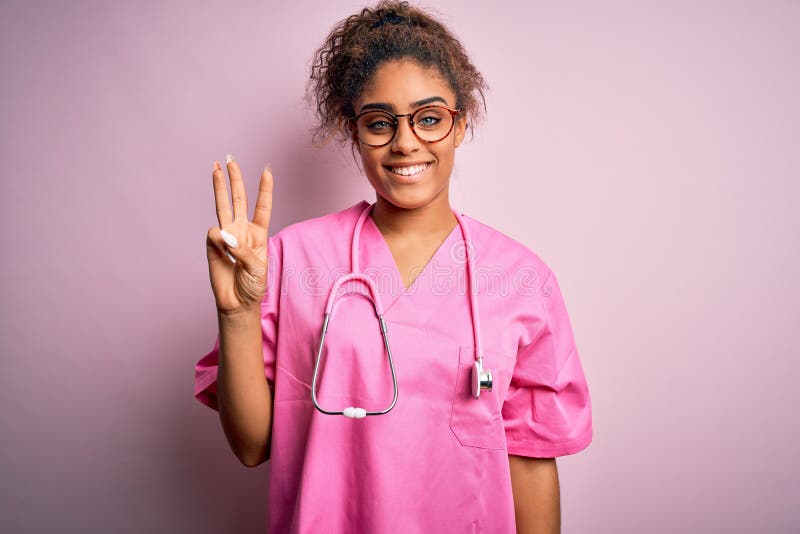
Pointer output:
x,y
263,209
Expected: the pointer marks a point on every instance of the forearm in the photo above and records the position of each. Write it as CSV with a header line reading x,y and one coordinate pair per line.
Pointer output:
x,y
244,399
537,502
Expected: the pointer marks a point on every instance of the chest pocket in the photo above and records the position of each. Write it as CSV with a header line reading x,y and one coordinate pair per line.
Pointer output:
x,y
479,422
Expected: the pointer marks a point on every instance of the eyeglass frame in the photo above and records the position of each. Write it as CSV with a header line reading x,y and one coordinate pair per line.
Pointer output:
x,y
354,126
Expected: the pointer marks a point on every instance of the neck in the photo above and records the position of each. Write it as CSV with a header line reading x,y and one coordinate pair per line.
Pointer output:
x,y
434,218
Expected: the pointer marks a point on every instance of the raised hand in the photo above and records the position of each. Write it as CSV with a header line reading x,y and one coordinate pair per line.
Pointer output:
x,y
237,248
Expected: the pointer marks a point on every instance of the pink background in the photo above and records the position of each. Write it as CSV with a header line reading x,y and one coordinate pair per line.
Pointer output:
x,y
647,151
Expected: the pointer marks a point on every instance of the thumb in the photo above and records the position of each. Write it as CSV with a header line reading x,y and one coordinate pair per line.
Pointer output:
x,y
249,260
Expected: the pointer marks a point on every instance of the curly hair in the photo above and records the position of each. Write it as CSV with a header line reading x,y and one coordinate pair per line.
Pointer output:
x,y
361,43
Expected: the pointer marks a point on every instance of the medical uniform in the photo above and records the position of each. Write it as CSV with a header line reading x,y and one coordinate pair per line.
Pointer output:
x,y
438,461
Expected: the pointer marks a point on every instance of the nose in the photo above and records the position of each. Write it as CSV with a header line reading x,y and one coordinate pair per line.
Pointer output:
x,y
405,140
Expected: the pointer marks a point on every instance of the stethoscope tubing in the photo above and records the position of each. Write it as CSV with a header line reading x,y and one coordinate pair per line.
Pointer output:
x,y
481,379
353,411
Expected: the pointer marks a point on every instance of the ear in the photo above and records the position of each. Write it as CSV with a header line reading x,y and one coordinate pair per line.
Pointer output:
x,y
461,129
353,135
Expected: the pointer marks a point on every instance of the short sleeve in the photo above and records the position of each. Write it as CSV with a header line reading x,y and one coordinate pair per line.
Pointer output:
x,y
547,411
205,371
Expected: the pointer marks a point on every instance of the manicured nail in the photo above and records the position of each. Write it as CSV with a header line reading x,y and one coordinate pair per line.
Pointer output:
x,y
268,168
217,166
229,239
230,257
228,158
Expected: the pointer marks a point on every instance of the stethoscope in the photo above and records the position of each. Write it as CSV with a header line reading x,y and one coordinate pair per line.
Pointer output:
x,y
481,378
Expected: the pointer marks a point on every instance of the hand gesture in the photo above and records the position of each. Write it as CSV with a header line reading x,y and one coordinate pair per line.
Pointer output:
x,y
237,248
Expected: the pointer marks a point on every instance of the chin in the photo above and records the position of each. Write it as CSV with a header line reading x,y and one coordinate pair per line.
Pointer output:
x,y
410,200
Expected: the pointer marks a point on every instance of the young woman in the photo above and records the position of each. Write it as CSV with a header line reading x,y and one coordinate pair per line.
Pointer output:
x,y
404,367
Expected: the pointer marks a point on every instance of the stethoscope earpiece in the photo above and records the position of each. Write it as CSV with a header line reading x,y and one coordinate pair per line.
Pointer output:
x,y
481,378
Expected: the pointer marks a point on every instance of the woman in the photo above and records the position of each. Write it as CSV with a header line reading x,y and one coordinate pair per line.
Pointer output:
x,y
456,412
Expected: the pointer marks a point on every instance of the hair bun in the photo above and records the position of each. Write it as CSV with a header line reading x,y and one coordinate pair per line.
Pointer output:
x,y
390,17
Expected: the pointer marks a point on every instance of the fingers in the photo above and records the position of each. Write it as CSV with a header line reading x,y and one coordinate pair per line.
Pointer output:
x,y
224,215
249,260
263,210
237,189
225,241
231,241
217,241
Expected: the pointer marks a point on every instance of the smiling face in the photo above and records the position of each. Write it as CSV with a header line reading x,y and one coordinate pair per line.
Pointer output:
x,y
409,173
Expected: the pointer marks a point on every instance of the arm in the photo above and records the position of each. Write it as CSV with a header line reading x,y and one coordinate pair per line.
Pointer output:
x,y
534,482
244,399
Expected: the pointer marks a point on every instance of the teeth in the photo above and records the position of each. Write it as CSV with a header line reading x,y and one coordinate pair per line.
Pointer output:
x,y
408,171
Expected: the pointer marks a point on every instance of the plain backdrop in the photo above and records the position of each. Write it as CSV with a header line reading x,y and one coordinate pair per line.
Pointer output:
x,y
647,151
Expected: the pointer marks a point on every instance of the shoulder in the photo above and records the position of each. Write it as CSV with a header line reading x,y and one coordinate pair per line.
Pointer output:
x,y
321,229
496,248
312,244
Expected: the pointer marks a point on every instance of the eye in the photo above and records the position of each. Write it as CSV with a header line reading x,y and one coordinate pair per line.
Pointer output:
x,y
429,121
379,125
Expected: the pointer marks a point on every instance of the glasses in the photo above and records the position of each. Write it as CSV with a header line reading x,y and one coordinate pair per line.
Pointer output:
x,y
430,124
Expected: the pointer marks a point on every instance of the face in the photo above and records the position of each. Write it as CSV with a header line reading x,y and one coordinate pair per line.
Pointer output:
x,y
407,172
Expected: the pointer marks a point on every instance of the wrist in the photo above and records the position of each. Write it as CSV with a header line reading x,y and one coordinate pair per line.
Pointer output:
x,y
240,316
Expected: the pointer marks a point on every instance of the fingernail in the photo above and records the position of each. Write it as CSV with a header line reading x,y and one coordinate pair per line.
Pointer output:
x,y
230,257
228,158
217,166
268,167
229,239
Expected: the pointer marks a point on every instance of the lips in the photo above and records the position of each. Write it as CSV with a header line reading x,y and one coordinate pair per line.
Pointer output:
x,y
408,170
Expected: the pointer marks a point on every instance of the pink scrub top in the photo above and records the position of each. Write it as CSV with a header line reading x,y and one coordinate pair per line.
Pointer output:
x,y
438,461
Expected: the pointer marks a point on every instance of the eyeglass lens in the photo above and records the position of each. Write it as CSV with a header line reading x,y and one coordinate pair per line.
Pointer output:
x,y
430,124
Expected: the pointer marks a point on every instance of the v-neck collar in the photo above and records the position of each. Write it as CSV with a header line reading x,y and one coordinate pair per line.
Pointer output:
x,y
380,257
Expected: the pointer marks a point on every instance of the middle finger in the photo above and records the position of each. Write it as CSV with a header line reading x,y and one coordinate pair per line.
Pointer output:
x,y
237,189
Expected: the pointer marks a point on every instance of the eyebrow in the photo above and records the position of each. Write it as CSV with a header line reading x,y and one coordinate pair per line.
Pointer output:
x,y
389,107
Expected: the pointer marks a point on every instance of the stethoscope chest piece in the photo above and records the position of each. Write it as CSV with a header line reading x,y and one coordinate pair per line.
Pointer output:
x,y
481,378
